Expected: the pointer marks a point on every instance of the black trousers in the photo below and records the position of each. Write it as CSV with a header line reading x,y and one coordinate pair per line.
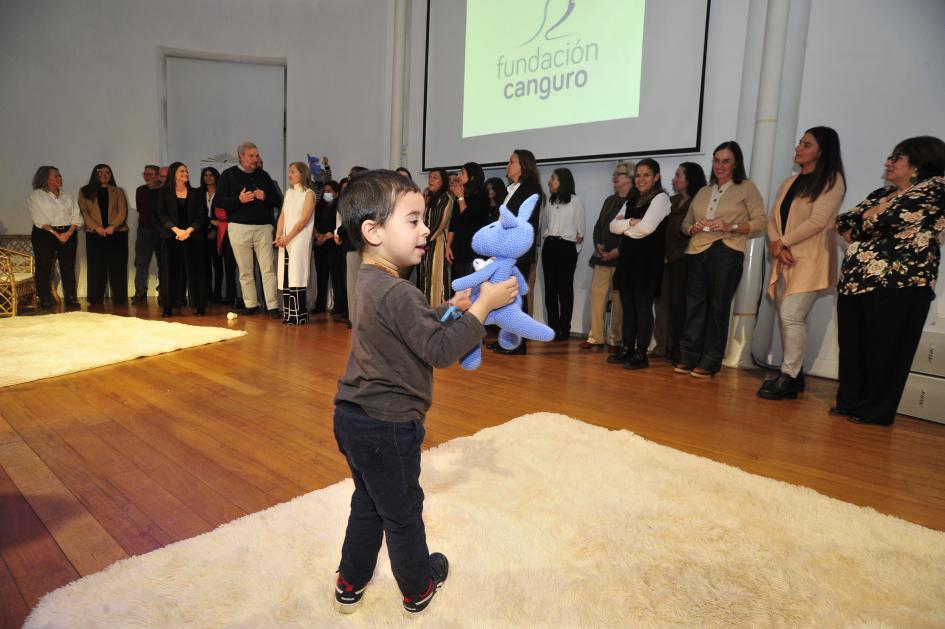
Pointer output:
x,y
46,249
559,260
213,268
384,458
637,318
878,333
330,266
711,282
107,259
525,268
231,272
147,244
182,269
671,308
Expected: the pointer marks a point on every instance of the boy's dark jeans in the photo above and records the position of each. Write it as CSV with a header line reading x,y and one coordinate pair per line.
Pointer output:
x,y
384,458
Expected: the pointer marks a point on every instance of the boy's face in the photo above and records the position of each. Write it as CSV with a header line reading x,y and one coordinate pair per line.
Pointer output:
x,y
404,236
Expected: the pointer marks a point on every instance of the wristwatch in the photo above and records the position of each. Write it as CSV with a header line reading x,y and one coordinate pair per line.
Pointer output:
x,y
734,227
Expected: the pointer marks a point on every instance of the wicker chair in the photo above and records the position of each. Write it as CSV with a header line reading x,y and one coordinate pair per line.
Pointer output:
x,y
22,243
17,282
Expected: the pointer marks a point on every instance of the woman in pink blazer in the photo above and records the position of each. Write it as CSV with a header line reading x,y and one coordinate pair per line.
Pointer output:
x,y
803,249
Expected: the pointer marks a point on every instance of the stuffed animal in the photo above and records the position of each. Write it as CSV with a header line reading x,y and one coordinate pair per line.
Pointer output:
x,y
505,240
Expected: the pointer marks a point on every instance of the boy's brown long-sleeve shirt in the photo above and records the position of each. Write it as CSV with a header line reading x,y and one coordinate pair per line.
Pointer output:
x,y
397,339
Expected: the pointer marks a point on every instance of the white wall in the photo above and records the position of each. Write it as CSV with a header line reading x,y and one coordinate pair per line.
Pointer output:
x,y
872,71
83,81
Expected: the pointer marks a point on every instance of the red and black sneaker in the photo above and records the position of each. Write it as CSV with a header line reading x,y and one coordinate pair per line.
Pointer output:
x,y
439,569
347,597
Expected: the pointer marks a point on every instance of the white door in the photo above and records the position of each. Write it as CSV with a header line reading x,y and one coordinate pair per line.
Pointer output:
x,y
212,106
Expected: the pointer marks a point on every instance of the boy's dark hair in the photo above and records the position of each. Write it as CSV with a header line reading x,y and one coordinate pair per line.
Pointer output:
x,y
371,196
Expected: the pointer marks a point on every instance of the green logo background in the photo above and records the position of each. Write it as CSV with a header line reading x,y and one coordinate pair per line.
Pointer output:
x,y
497,29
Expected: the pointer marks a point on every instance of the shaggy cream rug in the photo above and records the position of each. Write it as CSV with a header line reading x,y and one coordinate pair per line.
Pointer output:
x,y
548,522
52,345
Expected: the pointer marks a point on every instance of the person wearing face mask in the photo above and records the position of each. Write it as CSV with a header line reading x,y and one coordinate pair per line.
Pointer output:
x,y
721,218
803,249
887,280
329,255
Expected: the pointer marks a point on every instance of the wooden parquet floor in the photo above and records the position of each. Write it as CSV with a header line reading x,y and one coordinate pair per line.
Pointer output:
x,y
122,460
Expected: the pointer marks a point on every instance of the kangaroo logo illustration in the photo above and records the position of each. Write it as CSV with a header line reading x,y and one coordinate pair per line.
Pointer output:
x,y
544,20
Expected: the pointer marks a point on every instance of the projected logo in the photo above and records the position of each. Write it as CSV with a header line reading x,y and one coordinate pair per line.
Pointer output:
x,y
581,64
544,20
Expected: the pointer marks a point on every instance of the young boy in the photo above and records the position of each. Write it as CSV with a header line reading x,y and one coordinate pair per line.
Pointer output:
x,y
387,387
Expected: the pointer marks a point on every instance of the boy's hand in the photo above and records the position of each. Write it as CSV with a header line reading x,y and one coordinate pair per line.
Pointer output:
x,y
498,295
492,296
462,299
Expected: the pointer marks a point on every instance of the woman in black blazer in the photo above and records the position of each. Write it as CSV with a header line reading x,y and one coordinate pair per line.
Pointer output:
x,y
182,214
522,171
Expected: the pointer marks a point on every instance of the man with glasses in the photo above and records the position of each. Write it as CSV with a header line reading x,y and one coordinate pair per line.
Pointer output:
x,y
148,238
604,261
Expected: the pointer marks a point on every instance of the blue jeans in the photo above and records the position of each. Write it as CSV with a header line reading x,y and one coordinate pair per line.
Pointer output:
x,y
384,458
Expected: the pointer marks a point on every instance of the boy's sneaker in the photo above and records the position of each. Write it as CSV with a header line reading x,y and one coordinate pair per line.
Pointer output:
x,y
439,569
347,597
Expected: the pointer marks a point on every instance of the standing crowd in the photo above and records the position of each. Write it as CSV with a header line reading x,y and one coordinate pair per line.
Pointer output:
x,y
665,266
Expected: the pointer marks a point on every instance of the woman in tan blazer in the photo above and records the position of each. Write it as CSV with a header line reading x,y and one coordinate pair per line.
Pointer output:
x,y
104,209
803,249
721,218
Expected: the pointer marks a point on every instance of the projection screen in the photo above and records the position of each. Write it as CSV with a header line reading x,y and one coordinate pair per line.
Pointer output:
x,y
571,80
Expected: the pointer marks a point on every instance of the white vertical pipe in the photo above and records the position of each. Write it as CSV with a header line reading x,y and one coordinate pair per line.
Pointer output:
x,y
399,56
738,350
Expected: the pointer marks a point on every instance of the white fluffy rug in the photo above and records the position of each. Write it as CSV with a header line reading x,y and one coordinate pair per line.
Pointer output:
x,y
57,344
548,522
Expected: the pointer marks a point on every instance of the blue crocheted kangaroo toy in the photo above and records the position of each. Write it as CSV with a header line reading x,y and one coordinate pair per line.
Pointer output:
x,y
505,240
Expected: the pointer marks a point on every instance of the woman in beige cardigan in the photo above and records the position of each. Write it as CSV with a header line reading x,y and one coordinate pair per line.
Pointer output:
x,y
803,249
104,209
720,219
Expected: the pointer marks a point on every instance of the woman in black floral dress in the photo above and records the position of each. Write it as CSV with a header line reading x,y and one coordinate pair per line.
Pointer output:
x,y
887,280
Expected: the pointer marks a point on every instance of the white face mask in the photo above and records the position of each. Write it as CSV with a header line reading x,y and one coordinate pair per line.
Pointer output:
x,y
328,196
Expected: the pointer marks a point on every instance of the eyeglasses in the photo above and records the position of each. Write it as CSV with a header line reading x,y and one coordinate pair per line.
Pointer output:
x,y
618,173
894,157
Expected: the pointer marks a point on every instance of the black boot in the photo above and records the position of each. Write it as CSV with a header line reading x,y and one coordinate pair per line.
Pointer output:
x,y
622,355
637,360
767,384
784,387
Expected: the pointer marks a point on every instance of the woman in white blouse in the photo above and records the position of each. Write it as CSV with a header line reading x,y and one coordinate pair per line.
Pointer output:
x,y
294,239
56,218
639,275
562,232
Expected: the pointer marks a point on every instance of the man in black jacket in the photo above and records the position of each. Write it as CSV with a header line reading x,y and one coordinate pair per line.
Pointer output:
x,y
248,194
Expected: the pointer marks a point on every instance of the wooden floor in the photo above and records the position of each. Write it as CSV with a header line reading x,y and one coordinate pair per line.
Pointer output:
x,y
121,460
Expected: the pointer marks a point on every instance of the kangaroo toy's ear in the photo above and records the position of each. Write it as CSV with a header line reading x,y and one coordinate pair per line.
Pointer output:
x,y
525,210
506,219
